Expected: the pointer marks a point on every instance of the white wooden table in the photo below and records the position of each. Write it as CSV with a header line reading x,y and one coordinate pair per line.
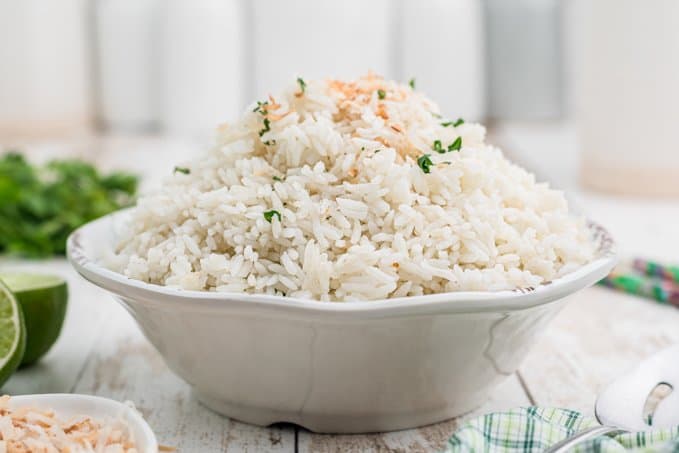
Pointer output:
x,y
597,336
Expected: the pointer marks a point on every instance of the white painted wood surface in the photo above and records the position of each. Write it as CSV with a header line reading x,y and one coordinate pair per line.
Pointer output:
x,y
597,336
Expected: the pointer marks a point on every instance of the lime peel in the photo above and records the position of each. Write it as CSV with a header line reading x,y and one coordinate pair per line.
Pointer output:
x,y
43,300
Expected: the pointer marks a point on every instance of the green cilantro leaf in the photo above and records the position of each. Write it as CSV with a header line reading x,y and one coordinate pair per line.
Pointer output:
x,y
268,215
424,162
438,147
302,84
42,204
456,145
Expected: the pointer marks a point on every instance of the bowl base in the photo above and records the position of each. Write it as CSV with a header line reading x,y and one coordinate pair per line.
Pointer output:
x,y
336,423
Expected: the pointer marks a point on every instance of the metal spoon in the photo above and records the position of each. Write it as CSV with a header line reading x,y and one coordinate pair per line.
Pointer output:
x,y
620,407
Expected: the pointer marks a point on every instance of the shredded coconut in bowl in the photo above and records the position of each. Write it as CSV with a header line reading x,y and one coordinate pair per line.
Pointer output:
x,y
32,430
351,190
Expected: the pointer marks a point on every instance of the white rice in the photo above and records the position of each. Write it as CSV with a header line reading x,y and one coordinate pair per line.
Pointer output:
x,y
359,219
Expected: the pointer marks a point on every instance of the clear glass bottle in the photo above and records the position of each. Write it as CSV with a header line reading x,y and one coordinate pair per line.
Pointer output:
x,y
203,68
628,96
441,45
45,76
524,59
127,57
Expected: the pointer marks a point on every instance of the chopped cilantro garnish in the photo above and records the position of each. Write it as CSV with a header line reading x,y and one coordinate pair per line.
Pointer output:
x,y
411,82
267,127
302,84
381,94
261,107
184,170
456,145
438,147
456,123
268,215
424,162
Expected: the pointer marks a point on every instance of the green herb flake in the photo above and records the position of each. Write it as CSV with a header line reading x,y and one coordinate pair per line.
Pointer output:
x,y
268,215
261,108
267,127
438,147
456,145
302,84
381,94
424,162
453,123
276,178
411,83
183,170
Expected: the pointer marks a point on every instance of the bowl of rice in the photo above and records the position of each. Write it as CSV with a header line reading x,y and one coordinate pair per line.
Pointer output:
x,y
345,258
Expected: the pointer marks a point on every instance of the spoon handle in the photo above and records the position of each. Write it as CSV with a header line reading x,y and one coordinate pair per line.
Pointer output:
x,y
570,442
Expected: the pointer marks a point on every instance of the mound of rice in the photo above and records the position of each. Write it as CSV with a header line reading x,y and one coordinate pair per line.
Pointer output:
x,y
357,190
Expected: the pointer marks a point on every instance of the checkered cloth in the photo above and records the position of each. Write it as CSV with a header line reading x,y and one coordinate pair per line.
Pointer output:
x,y
534,429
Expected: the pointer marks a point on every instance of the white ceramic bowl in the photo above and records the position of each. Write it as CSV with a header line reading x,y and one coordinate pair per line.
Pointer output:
x,y
69,405
336,367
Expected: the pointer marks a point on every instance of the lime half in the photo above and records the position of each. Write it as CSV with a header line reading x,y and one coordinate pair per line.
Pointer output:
x,y
12,334
43,300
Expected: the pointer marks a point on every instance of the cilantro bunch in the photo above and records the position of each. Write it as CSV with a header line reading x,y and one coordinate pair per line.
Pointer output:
x,y
41,205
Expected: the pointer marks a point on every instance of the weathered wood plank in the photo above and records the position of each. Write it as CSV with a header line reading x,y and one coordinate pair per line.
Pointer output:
x,y
124,366
598,336
429,438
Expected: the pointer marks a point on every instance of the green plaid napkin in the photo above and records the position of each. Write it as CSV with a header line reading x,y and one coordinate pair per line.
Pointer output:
x,y
534,429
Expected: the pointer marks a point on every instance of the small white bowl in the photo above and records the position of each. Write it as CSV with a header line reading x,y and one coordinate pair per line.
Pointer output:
x,y
67,405
336,367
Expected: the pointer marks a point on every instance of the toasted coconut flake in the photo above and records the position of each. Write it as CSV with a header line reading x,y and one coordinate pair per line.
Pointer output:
x,y
271,108
276,117
382,112
33,430
273,105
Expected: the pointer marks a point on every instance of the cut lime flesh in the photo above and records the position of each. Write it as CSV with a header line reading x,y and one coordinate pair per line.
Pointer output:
x,y
12,334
